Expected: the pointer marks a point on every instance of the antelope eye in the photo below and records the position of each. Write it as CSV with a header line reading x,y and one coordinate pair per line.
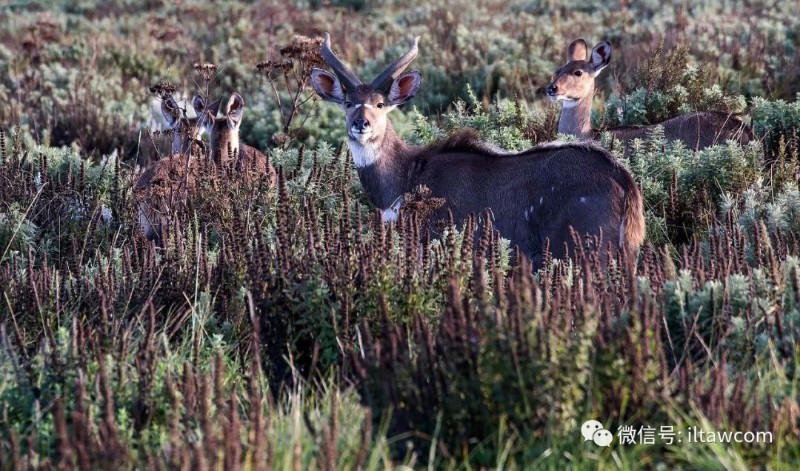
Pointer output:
x,y
380,105
348,104
578,73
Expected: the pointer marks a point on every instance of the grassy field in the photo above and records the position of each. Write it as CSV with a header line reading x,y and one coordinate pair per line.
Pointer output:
x,y
284,327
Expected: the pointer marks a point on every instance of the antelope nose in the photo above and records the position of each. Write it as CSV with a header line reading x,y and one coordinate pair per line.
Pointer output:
x,y
552,89
361,124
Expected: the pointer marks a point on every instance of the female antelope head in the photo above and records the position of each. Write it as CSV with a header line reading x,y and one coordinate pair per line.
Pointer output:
x,y
222,125
366,106
573,83
574,80
185,131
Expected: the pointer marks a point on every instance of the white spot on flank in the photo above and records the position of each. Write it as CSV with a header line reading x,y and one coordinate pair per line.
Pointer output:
x,y
583,200
541,198
552,188
364,155
529,213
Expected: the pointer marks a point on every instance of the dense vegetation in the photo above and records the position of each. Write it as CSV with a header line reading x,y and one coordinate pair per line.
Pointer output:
x,y
284,327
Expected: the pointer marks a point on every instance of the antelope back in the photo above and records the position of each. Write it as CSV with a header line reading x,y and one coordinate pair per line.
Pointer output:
x,y
543,193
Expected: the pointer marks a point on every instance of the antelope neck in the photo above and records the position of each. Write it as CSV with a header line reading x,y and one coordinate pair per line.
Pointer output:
x,y
222,145
576,117
383,168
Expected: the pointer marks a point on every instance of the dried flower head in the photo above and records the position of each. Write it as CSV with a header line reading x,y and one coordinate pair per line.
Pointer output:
x,y
163,88
302,52
281,139
303,48
273,69
206,70
419,201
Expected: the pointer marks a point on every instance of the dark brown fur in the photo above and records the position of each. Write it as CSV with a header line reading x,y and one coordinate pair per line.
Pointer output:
x,y
533,195
696,130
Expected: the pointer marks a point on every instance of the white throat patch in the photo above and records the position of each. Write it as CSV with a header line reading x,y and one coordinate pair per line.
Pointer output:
x,y
364,155
569,103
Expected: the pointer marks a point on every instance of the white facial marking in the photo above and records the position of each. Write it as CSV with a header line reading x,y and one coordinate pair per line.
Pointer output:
x,y
364,155
361,138
369,107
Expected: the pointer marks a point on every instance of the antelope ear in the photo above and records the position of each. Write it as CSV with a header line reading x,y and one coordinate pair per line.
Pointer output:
x,y
204,116
404,87
170,110
577,50
327,86
235,108
198,104
601,56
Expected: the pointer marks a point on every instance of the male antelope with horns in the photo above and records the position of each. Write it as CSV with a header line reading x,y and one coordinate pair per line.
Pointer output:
x,y
533,195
